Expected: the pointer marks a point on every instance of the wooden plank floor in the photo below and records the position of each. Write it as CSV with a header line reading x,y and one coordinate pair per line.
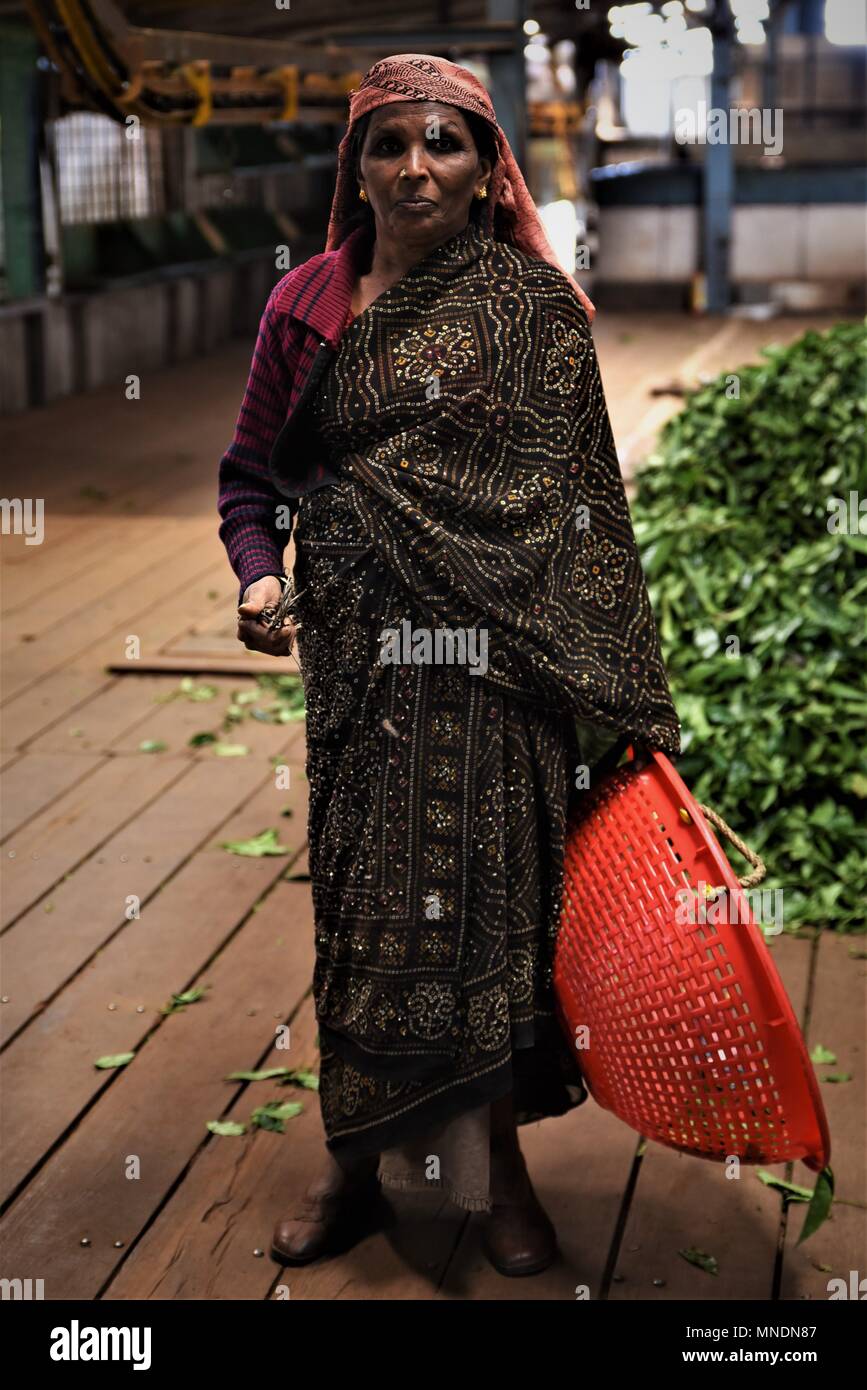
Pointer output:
x,y
91,823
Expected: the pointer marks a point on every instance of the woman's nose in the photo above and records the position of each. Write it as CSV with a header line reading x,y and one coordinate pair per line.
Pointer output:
x,y
415,161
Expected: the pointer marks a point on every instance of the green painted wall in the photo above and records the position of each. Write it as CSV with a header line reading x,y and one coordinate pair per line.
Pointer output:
x,y
22,268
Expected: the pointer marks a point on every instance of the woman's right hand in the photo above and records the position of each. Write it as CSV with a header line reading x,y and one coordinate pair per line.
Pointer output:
x,y
265,593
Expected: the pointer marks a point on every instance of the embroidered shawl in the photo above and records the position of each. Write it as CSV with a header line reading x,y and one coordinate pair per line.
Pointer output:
x,y
489,484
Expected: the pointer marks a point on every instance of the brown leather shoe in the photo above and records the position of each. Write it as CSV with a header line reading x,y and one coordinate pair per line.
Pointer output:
x,y
519,1237
332,1212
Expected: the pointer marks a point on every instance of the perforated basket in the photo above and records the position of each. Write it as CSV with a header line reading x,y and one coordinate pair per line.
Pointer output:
x,y
682,1026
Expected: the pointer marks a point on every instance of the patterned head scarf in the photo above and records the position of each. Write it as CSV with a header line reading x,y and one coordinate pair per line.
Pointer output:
x,y
420,77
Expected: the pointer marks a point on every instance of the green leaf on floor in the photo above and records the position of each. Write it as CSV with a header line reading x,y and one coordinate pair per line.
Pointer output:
x,y
838,1076
117,1059
178,1002
231,750
259,1075
820,1205
308,1079
790,1190
287,698
821,1054
192,691
198,693
200,740
189,690
228,1128
152,745
288,1077
700,1258
265,843
202,693
273,1115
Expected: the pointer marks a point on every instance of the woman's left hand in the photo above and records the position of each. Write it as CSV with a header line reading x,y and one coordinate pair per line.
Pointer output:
x,y
265,593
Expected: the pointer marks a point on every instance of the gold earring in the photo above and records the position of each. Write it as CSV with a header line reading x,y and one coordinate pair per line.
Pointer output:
x,y
481,192
361,193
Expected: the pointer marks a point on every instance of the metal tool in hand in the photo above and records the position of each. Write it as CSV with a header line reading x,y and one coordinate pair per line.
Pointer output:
x,y
274,617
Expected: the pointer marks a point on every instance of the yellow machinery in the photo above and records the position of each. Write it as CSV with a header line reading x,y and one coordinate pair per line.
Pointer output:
x,y
171,77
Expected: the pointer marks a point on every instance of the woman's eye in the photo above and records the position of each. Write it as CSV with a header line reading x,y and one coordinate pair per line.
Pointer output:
x,y
447,141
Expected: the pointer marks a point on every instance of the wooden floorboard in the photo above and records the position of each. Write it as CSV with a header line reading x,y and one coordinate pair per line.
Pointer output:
x,y
101,632
74,826
118,579
837,1023
58,696
32,781
203,1243
156,1109
682,1202
49,944
134,963
110,720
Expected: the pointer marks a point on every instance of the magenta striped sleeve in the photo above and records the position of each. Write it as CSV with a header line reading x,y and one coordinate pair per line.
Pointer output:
x,y
254,533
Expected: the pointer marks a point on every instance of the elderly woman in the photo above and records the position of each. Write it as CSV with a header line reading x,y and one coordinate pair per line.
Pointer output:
x,y
473,629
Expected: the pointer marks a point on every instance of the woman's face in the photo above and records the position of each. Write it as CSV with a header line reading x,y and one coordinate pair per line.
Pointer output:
x,y
433,144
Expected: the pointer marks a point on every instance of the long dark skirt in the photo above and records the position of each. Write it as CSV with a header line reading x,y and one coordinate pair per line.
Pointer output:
x,y
436,826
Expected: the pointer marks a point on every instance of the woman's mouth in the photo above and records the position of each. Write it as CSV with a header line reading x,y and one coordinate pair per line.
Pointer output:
x,y
415,204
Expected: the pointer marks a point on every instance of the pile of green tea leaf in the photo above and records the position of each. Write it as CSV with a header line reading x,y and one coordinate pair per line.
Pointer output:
x,y
759,587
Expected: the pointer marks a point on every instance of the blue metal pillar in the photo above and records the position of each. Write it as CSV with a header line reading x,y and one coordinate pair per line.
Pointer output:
x,y
719,170
508,86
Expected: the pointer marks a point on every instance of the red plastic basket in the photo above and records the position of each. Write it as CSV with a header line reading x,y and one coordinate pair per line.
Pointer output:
x,y
683,1027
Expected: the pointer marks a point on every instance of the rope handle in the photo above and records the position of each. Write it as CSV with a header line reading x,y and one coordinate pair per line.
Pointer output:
x,y
759,869
642,757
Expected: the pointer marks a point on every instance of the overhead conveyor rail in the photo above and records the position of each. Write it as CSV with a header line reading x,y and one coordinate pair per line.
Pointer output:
x,y
172,77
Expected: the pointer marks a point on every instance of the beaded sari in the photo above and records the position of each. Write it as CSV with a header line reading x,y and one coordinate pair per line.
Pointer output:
x,y
474,487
